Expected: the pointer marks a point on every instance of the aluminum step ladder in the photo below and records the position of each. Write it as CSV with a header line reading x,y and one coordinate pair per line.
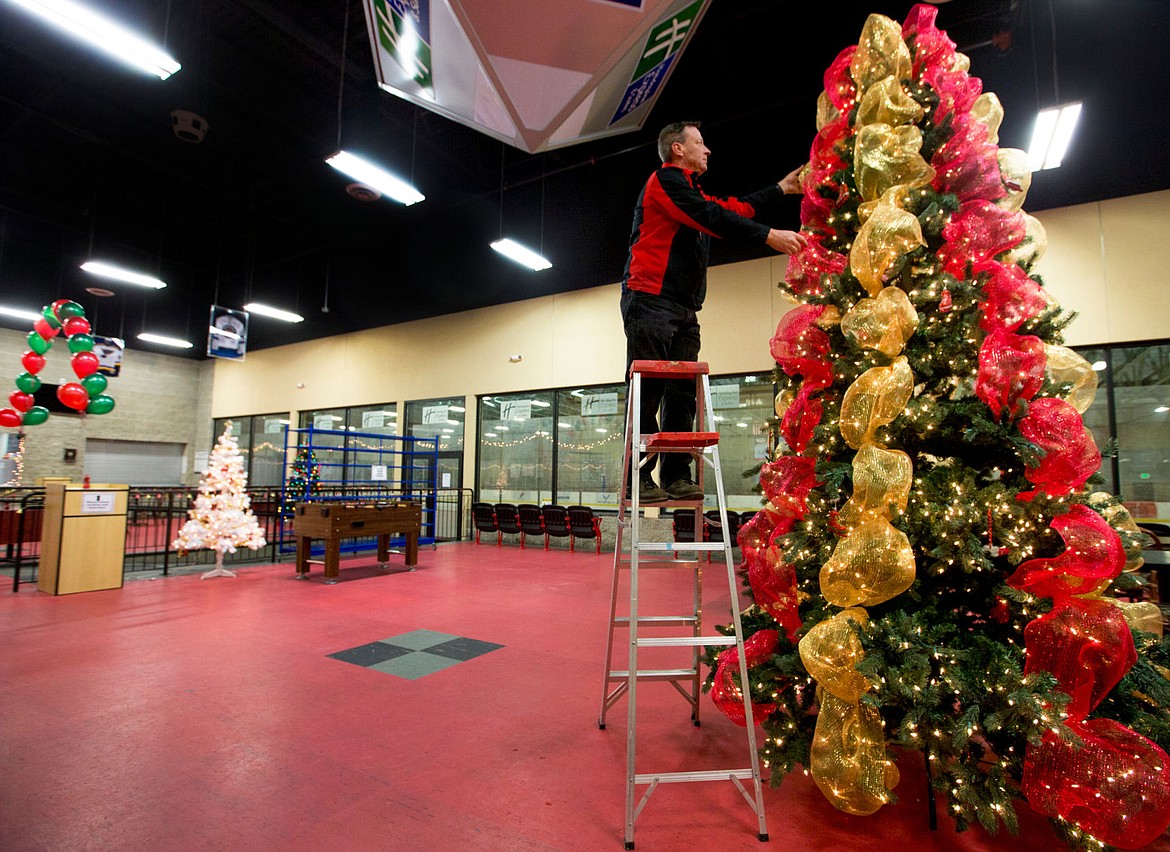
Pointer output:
x,y
703,446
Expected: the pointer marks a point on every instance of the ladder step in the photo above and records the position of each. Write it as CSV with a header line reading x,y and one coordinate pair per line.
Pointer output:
x,y
671,546
700,775
679,441
658,620
656,674
668,369
683,641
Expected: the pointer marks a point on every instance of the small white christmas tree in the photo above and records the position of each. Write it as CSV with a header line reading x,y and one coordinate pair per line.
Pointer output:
x,y
222,518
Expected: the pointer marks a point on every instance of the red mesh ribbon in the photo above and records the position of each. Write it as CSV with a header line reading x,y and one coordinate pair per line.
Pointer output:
x,y
930,46
934,62
978,232
1010,297
808,267
801,419
1093,552
773,585
728,697
966,164
787,482
839,85
1086,644
1117,787
1011,368
799,346
1071,456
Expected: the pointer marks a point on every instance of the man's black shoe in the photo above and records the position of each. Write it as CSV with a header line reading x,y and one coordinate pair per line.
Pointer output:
x,y
649,492
684,489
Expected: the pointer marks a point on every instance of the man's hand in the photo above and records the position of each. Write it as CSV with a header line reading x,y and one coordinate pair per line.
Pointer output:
x,y
786,242
790,183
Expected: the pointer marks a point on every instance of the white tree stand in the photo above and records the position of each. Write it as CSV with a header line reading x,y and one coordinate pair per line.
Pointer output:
x,y
218,570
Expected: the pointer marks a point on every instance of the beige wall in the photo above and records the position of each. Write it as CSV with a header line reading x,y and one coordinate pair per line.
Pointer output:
x,y
1101,262
1096,264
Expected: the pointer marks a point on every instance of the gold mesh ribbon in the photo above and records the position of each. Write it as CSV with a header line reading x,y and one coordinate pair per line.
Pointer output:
x,y
880,53
848,756
886,156
826,112
887,234
1067,367
1031,248
831,650
1118,517
1142,615
869,566
1015,176
884,322
988,110
877,397
881,483
886,102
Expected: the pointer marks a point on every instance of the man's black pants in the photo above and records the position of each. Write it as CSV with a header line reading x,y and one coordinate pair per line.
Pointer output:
x,y
658,329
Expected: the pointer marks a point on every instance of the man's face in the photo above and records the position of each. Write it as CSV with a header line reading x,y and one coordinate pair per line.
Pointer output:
x,y
694,152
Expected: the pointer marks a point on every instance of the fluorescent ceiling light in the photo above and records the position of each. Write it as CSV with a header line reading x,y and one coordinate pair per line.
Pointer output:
x,y
1098,366
19,313
105,34
162,340
512,250
1052,135
1161,409
372,175
117,273
275,313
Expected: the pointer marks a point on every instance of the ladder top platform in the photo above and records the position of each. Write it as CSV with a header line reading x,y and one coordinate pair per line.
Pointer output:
x,y
669,369
680,440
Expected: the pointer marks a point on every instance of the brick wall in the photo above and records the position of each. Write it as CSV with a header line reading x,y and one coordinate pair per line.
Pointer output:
x,y
158,398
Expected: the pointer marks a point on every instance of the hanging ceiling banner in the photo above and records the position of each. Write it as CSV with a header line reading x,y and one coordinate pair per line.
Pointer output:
x,y
579,70
109,354
227,333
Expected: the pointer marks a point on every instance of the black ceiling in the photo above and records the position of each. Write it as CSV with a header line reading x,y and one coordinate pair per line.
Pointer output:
x,y
89,163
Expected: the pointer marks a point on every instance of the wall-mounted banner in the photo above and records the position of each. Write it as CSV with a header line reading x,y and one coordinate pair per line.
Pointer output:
x,y
227,333
109,354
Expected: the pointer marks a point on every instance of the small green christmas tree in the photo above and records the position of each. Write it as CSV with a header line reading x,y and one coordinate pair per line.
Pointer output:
x,y
302,480
930,571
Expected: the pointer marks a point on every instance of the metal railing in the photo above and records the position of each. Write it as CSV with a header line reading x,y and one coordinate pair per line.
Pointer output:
x,y
155,515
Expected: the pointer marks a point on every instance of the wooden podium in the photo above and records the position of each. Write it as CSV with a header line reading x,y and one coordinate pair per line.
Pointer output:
x,y
83,542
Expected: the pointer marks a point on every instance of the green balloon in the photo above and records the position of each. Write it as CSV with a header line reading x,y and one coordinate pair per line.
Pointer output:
x,y
38,344
81,343
71,309
100,404
28,383
50,317
94,384
35,416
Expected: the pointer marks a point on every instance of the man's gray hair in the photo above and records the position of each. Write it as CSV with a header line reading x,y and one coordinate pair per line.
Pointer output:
x,y
670,134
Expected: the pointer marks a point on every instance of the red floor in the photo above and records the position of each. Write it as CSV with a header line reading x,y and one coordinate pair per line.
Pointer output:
x,y
181,713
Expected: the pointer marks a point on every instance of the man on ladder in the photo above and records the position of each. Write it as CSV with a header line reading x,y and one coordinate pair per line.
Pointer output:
x,y
665,282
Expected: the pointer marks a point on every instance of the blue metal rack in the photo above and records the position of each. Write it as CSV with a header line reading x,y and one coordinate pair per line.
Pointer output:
x,y
361,467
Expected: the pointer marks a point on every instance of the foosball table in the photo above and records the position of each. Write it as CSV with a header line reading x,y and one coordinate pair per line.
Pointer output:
x,y
336,521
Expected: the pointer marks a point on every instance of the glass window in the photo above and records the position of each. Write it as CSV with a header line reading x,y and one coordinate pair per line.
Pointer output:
x,y
589,426
742,406
443,420
367,456
261,441
1139,377
516,447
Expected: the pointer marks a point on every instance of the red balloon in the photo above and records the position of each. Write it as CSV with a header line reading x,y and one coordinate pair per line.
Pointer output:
x,y
84,364
73,395
32,362
9,418
20,400
45,330
76,325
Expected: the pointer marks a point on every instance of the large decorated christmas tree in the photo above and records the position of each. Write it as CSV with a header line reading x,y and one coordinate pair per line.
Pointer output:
x,y
933,569
221,518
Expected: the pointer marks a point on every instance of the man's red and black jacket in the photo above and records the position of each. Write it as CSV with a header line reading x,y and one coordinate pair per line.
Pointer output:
x,y
673,225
